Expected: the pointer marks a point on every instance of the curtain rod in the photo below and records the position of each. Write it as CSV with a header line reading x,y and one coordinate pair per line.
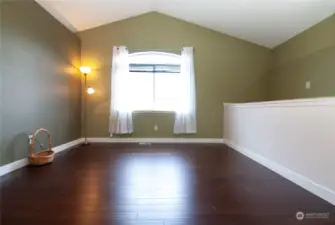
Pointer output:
x,y
155,50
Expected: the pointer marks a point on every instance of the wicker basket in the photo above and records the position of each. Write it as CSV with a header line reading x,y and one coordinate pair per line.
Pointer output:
x,y
40,158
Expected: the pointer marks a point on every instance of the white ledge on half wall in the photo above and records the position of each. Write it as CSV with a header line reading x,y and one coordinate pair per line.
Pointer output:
x,y
286,103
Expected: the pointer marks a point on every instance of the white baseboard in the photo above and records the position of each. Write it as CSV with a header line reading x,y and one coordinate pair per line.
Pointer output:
x,y
68,145
157,140
315,188
23,162
13,166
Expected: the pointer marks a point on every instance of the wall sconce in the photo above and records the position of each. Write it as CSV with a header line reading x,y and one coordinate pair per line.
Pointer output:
x,y
89,91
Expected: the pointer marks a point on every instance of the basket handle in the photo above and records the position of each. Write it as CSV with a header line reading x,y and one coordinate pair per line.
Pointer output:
x,y
32,145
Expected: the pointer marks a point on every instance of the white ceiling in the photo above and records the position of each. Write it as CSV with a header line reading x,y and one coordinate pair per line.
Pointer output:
x,y
264,22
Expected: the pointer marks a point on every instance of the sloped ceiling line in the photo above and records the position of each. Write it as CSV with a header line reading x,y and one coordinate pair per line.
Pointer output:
x,y
264,22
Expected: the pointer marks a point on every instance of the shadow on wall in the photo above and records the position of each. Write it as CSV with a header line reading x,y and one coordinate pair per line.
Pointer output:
x,y
18,147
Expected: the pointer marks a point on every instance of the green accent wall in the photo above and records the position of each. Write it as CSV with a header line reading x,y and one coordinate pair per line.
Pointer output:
x,y
227,70
40,82
309,56
1,75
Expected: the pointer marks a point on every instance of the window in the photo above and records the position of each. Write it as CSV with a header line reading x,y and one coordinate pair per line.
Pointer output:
x,y
152,81
155,81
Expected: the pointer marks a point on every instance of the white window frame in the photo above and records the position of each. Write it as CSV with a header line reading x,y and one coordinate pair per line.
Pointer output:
x,y
147,58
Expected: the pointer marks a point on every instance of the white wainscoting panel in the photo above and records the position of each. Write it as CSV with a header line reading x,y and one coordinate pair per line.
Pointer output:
x,y
294,138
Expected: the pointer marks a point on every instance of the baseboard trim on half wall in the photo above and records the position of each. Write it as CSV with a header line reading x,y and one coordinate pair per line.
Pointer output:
x,y
158,140
315,188
23,162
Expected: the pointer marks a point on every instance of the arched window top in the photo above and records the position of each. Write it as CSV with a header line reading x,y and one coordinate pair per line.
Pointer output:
x,y
154,58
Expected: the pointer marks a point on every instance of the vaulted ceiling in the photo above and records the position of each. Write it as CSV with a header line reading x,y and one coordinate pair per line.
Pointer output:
x,y
264,22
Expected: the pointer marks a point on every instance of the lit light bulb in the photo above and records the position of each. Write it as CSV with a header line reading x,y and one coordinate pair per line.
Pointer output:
x,y
85,69
90,91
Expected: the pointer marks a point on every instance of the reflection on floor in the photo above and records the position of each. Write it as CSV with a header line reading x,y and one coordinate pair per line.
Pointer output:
x,y
159,184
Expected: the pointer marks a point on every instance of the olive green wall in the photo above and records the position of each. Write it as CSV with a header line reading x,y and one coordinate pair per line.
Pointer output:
x,y
40,83
309,56
227,70
1,60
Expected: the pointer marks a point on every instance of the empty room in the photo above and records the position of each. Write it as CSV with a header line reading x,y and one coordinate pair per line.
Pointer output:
x,y
167,112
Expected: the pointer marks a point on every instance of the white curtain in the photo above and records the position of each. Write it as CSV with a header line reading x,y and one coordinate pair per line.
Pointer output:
x,y
120,121
185,122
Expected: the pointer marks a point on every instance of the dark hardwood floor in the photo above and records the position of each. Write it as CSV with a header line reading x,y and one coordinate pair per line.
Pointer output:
x,y
128,184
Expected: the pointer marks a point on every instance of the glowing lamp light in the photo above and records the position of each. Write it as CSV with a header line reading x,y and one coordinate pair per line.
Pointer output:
x,y
85,69
90,91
